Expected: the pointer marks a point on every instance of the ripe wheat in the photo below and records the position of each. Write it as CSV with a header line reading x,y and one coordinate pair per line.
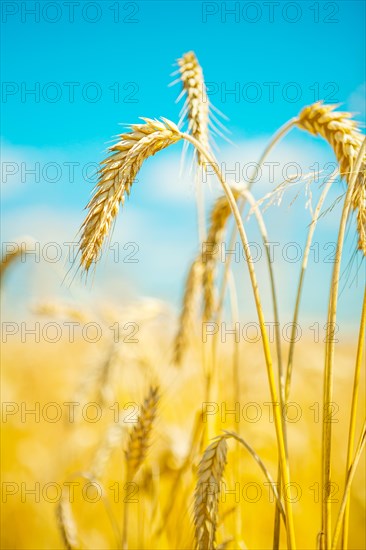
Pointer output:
x,y
116,176
67,524
196,105
344,136
191,289
140,434
210,472
219,216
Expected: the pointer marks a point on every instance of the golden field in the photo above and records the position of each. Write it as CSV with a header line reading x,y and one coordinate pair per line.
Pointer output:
x,y
44,452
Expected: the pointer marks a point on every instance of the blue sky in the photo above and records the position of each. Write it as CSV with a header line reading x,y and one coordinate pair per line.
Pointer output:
x,y
301,51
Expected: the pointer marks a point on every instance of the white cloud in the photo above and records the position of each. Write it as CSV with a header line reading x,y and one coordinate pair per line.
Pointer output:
x,y
357,101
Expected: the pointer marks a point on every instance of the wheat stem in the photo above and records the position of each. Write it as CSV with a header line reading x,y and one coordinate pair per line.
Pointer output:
x,y
353,417
329,357
272,485
301,281
347,489
275,139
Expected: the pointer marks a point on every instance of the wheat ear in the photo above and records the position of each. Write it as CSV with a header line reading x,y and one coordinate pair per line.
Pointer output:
x,y
219,216
202,270
140,434
210,472
192,286
67,524
344,136
116,176
196,105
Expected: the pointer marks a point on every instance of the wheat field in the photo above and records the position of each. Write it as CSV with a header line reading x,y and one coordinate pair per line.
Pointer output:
x,y
171,435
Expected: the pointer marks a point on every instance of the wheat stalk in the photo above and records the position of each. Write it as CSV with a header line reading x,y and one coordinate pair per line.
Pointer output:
x,y
280,435
140,434
116,176
350,475
330,350
353,416
196,105
190,294
210,472
344,136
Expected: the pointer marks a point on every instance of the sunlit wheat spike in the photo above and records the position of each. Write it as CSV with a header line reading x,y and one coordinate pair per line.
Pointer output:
x,y
192,286
116,176
210,251
67,524
210,473
196,105
344,136
140,434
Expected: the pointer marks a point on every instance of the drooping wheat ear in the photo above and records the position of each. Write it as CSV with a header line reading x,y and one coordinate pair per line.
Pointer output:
x,y
344,136
116,176
210,473
140,434
192,286
210,251
196,105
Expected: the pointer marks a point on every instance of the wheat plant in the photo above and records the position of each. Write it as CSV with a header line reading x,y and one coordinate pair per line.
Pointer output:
x,y
116,177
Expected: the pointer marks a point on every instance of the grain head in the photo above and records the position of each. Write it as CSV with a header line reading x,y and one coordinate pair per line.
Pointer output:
x,y
345,138
210,473
196,106
139,439
116,176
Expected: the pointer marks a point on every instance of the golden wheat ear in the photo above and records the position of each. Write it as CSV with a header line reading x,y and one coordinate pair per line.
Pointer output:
x,y
191,291
197,110
206,499
220,214
202,273
343,134
66,523
116,176
140,434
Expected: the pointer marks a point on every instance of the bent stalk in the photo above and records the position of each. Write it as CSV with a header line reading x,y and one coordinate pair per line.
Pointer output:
x,y
285,475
